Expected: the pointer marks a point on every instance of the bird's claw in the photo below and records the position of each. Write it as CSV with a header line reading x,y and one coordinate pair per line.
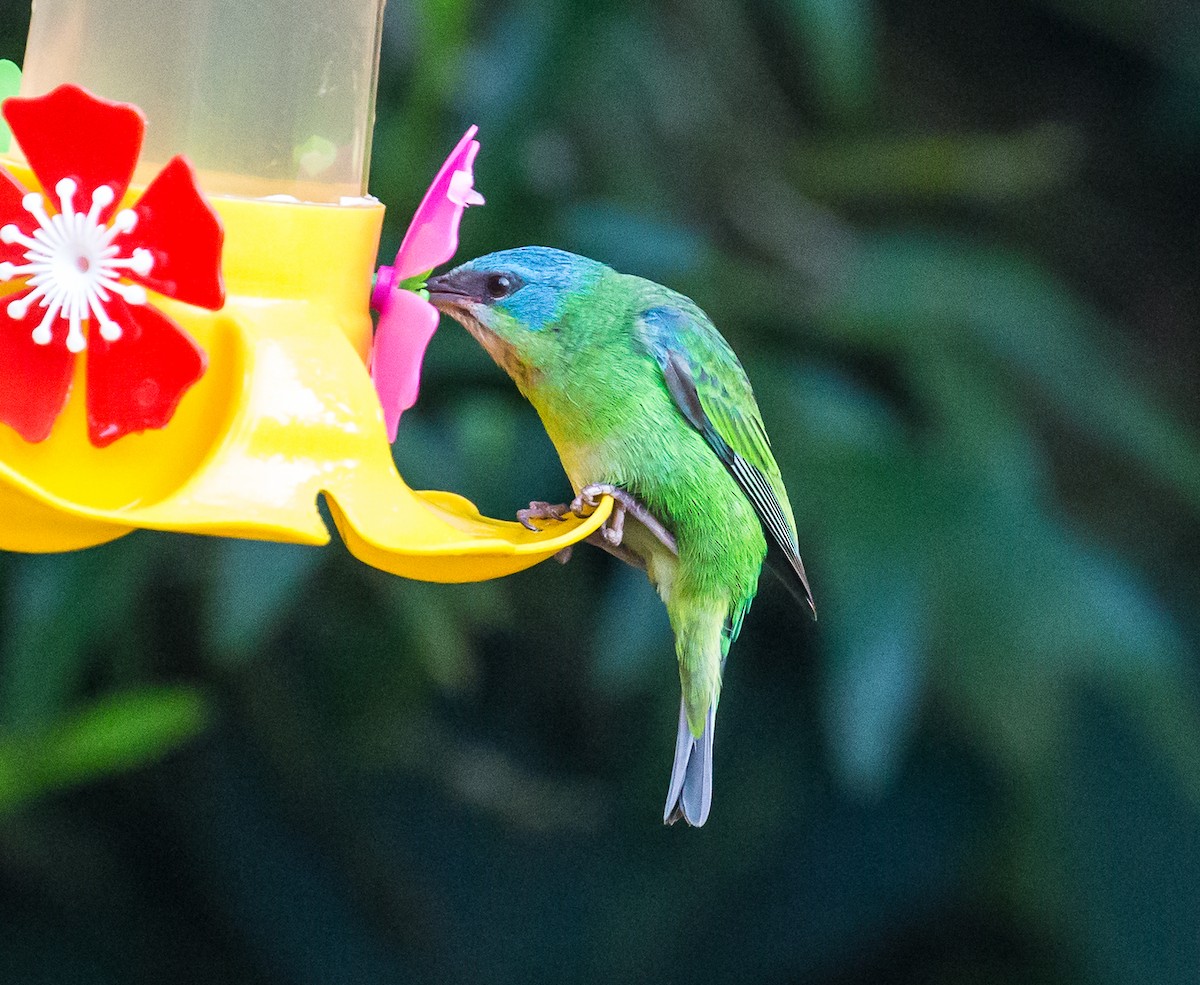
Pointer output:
x,y
584,505
540,510
612,532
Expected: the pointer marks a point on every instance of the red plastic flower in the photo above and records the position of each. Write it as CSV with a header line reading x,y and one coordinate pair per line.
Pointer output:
x,y
84,267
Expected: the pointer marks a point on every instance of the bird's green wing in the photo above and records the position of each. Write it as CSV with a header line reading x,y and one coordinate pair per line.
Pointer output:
x,y
713,393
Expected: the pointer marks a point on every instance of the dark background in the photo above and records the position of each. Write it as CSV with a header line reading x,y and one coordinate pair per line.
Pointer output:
x,y
955,245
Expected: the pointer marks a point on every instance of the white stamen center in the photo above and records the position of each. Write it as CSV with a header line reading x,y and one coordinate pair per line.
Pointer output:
x,y
73,266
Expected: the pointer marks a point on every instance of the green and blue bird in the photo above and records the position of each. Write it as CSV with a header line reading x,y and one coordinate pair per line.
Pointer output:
x,y
645,401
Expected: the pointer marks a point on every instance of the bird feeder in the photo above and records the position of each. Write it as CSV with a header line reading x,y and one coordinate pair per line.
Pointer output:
x,y
187,251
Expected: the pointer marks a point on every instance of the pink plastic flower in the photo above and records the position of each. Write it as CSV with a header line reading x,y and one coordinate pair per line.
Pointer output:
x,y
406,320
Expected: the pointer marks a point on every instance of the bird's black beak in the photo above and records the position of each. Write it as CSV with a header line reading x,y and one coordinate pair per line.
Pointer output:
x,y
454,290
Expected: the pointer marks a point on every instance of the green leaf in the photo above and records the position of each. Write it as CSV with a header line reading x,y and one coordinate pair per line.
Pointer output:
x,y
924,297
114,734
60,606
657,248
10,85
253,585
840,53
876,669
989,168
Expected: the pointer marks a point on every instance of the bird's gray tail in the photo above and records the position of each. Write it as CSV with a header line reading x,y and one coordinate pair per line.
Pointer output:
x,y
690,796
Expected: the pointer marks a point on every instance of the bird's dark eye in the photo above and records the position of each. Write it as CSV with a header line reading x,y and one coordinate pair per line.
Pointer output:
x,y
499,286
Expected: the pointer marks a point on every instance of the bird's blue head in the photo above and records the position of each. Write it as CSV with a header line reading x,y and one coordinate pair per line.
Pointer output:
x,y
530,284
511,300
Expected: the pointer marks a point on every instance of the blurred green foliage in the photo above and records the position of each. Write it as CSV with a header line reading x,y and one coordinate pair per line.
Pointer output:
x,y
955,246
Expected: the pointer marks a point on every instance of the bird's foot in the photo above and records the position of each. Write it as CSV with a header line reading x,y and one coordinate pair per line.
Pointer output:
x,y
611,534
624,503
539,510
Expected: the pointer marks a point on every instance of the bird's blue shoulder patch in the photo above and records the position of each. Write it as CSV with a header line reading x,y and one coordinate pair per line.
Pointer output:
x,y
666,323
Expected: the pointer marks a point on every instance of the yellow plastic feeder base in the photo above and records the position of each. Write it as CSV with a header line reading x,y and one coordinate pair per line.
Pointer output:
x,y
286,412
